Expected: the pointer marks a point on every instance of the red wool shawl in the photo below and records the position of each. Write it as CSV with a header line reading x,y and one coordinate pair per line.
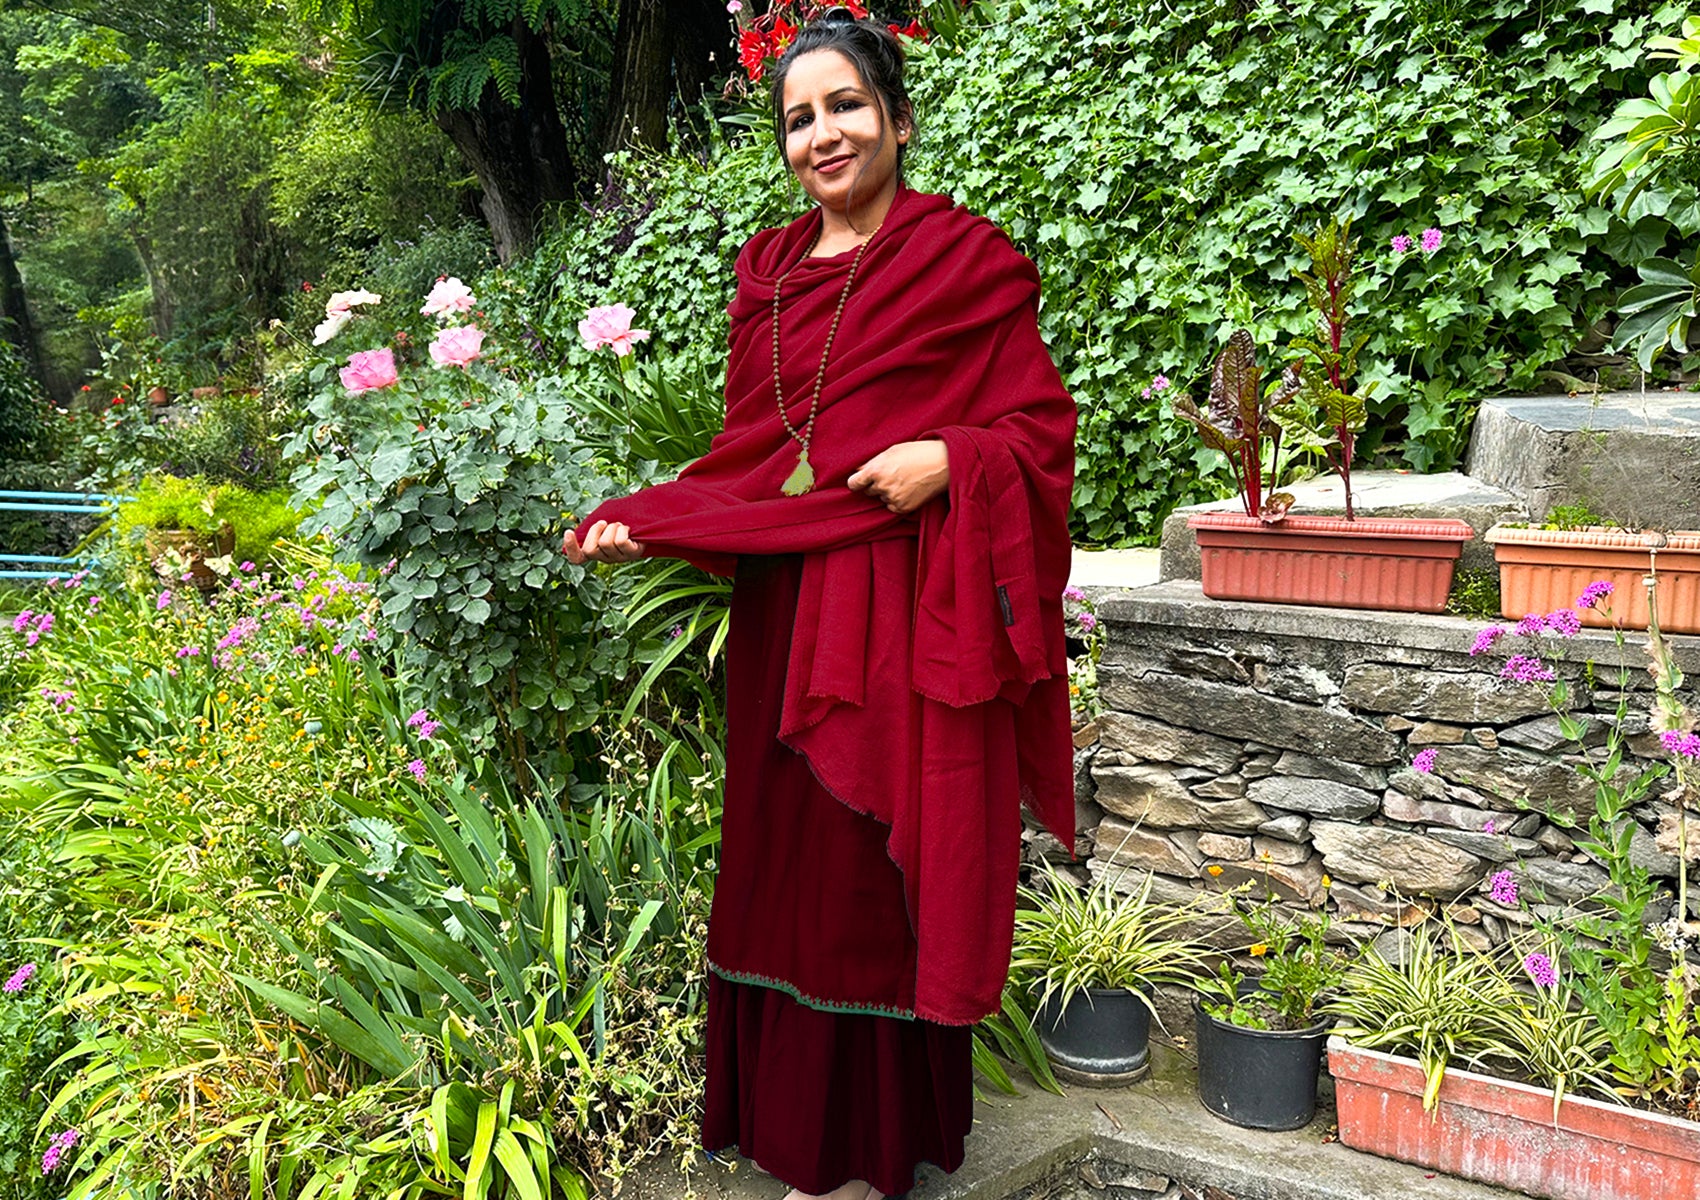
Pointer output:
x,y
938,340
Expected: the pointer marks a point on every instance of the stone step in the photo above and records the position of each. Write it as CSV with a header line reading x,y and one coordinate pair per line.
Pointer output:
x,y
1449,495
1632,458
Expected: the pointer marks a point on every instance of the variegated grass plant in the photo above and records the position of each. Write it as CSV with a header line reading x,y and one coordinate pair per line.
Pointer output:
x,y
1069,938
1445,1002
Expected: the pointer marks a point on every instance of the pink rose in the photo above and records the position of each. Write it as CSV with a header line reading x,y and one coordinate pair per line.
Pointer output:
x,y
369,370
610,327
458,346
447,297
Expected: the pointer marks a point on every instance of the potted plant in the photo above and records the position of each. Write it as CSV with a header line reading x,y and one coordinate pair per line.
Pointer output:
x,y
188,528
1094,957
1267,554
1568,1068
1542,567
1260,1039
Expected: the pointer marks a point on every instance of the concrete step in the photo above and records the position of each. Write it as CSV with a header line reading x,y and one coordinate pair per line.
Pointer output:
x,y
1101,1142
1633,458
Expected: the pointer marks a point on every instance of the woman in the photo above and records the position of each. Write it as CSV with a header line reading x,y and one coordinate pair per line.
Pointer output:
x,y
890,492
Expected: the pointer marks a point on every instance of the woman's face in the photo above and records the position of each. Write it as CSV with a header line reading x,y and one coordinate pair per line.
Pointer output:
x,y
833,127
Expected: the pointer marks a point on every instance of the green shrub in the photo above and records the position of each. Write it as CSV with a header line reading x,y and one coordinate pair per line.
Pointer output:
x,y
256,519
456,485
1152,161
22,407
227,437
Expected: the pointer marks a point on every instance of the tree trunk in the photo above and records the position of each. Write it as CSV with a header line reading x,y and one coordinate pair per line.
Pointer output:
x,y
519,152
703,47
16,324
641,84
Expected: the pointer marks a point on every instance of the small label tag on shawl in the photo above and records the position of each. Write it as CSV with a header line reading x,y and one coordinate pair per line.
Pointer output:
x,y
1003,603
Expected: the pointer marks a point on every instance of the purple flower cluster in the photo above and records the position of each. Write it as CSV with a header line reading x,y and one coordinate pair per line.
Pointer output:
x,y
19,977
422,721
1158,384
56,1151
1532,625
1565,622
1684,745
164,601
1502,889
417,766
1088,620
240,632
1074,594
1594,593
33,625
1424,761
1487,639
1488,826
1525,668
1540,969
1430,241
74,581
60,700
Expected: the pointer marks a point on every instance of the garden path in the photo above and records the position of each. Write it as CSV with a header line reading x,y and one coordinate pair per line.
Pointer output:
x,y
1144,1142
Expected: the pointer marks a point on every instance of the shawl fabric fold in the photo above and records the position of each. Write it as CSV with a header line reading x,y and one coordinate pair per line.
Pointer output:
x,y
938,340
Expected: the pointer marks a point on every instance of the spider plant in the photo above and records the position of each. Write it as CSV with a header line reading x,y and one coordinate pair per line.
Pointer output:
x,y
1068,938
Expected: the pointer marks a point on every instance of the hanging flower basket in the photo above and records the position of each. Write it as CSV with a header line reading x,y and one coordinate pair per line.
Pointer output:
x,y
1501,1132
1541,570
1391,563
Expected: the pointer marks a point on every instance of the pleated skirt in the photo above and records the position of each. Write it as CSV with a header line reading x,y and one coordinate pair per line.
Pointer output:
x,y
813,1070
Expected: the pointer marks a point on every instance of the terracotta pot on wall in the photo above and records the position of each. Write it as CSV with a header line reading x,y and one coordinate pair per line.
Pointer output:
x,y
1506,1133
1545,569
1375,562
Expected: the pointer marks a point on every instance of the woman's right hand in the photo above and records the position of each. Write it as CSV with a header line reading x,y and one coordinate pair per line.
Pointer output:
x,y
604,541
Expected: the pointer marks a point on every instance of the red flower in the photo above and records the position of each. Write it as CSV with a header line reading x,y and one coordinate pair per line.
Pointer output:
x,y
305,286
913,30
856,10
784,33
117,400
85,387
752,53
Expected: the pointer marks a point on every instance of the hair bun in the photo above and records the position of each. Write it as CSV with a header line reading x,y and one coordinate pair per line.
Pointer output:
x,y
838,15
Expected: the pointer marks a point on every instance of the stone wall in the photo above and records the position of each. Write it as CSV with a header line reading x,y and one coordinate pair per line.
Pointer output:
x,y
1272,744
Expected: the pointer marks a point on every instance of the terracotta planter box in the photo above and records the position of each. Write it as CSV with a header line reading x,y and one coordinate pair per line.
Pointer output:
x,y
1500,1132
1373,562
1541,570
194,548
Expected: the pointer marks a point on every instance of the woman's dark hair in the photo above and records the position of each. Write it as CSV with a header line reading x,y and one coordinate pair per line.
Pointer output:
x,y
876,55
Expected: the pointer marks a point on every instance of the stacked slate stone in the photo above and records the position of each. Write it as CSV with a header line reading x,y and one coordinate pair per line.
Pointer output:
x,y
1255,743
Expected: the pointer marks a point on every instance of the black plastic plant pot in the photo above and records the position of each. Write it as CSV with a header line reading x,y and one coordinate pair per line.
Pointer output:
x,y
1100,1038
1258,1078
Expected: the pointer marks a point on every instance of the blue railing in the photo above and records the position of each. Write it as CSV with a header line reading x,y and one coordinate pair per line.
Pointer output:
x,y
42,566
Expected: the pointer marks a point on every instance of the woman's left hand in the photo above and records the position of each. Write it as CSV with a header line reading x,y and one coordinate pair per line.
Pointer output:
x,y
906,476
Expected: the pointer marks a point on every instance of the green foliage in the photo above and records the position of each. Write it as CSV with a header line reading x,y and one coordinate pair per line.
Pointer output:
x,y
225,437
1160,231
1069,938
1299,970
22,409
253,521
1475,594
458,484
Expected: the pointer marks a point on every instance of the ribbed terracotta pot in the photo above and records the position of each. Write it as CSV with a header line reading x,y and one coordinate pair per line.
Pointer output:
x,y
1393,563
1501,1132
1541,570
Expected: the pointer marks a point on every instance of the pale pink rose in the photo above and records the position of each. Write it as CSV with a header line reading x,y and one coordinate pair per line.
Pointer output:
x,y
447,297
610,327
332,325
458,346
369,370
341,302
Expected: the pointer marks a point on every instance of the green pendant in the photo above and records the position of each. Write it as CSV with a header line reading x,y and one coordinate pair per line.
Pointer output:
x,y
800,480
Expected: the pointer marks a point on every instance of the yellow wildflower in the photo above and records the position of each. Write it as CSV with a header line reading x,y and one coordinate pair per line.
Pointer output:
x,y
1259,949
1214,869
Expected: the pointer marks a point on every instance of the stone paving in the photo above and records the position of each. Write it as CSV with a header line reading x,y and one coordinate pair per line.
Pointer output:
x,y
1150,1141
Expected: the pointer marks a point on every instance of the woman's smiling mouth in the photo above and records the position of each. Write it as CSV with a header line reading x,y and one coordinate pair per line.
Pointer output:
x,y
832,166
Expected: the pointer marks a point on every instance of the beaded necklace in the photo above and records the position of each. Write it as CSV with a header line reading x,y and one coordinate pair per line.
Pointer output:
x,y
802,478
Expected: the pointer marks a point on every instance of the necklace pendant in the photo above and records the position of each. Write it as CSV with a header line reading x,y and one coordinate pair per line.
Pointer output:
x,y
802,479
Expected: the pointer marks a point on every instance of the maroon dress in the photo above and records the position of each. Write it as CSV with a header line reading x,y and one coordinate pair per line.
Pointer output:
x,y
817,1068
